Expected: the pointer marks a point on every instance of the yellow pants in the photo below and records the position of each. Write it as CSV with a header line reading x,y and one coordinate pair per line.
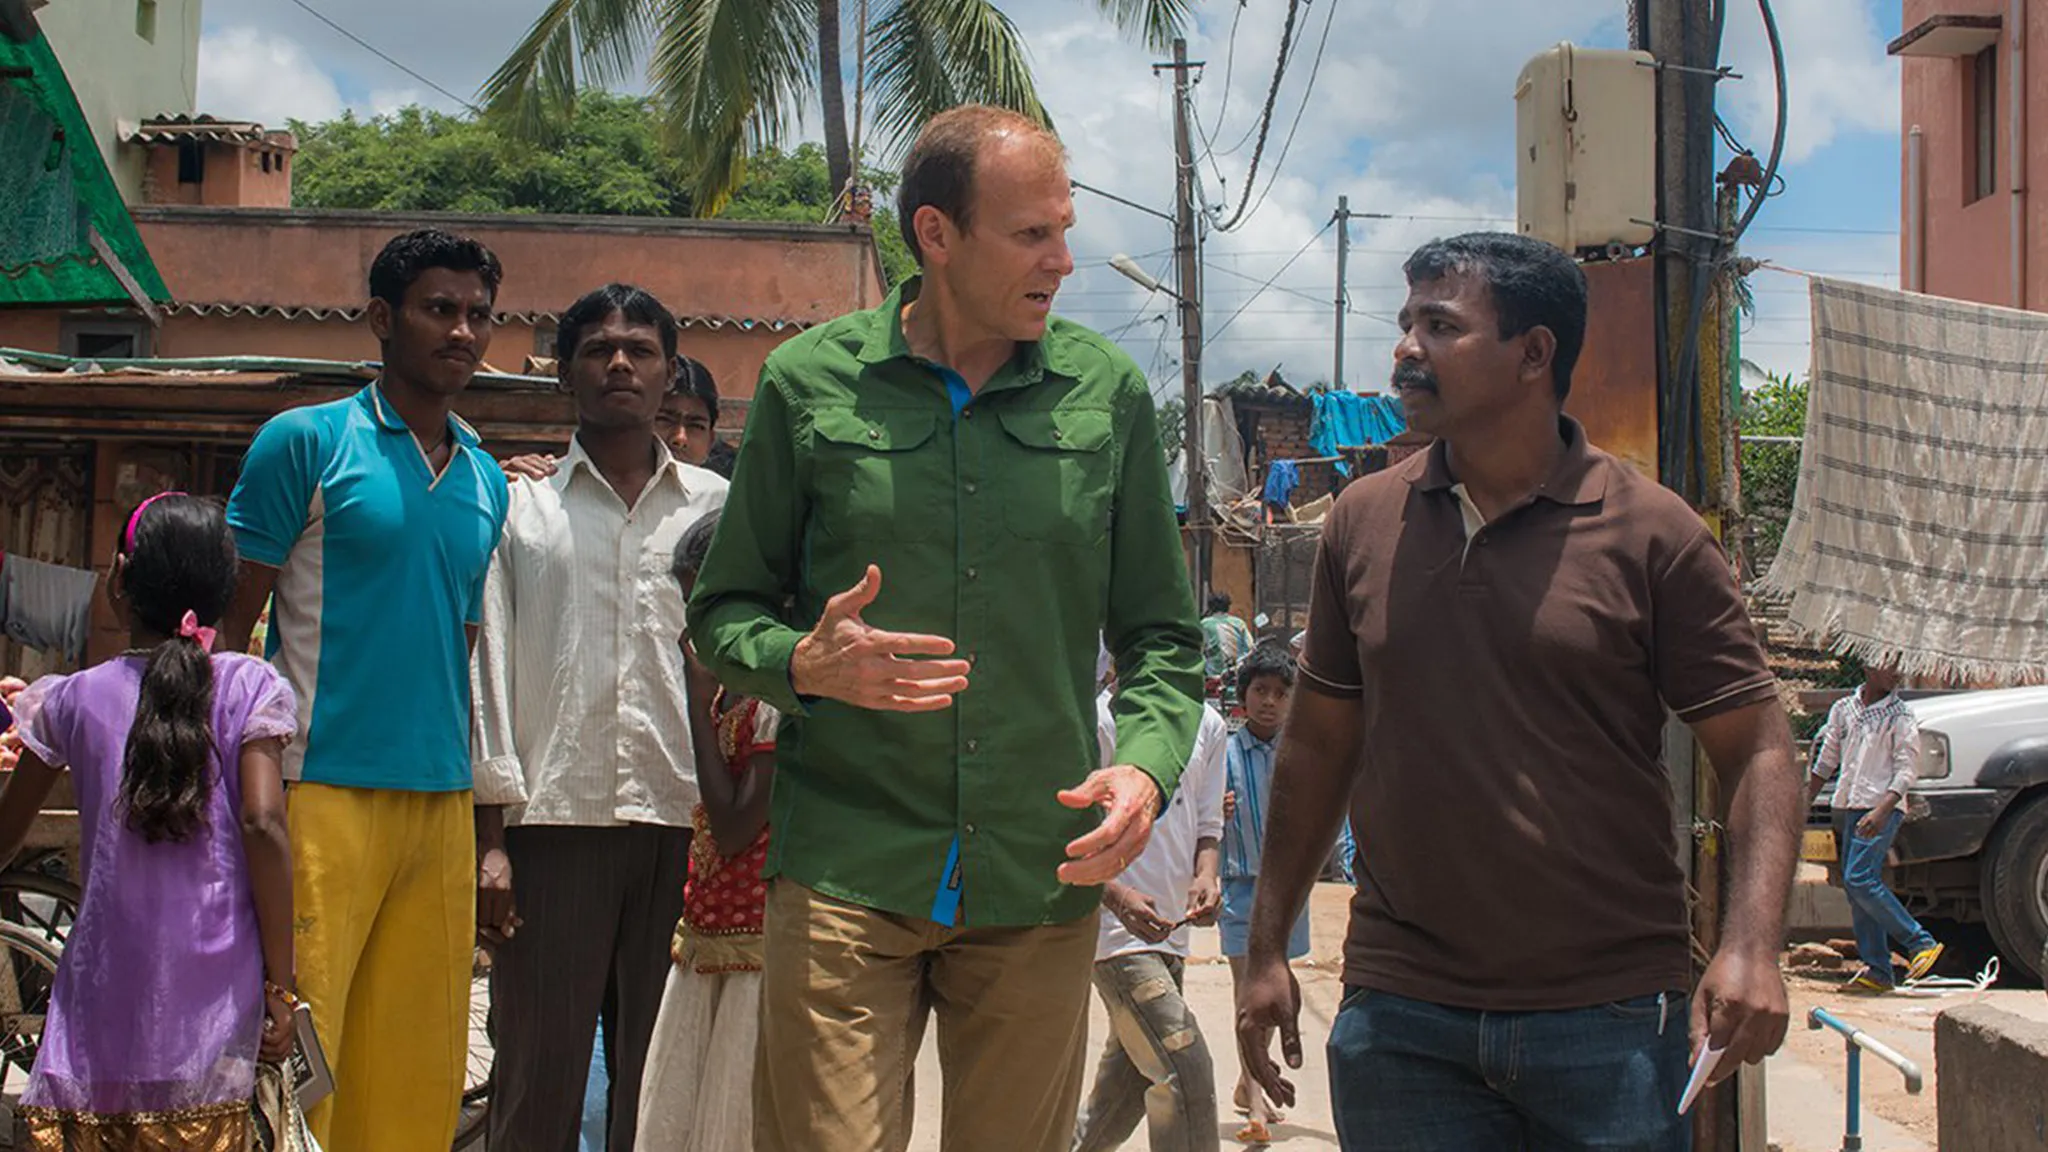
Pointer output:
x,y
384,887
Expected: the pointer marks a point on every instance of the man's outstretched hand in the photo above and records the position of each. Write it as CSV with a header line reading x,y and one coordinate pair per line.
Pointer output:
x,y
845,659
1129,799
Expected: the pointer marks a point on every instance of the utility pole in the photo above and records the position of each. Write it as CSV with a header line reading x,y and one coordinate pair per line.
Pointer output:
x,y
1343,293
1187,250
1692,341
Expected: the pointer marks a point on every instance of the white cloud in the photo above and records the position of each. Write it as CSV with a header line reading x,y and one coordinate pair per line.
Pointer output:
x,y
1839,78
385,101
245,73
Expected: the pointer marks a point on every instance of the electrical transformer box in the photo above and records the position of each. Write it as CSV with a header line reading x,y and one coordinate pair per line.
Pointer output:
x,y
1586,148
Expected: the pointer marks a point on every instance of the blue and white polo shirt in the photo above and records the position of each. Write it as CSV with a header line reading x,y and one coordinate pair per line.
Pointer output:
x,y
380,565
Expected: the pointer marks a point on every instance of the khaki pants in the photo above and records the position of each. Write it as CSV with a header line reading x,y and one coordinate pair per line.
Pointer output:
x,y
845,994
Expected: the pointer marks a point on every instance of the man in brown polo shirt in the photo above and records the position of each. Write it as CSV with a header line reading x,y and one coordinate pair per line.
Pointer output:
x,y
1497,630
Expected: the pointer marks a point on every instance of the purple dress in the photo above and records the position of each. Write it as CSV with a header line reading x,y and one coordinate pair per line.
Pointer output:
x,y
158,1004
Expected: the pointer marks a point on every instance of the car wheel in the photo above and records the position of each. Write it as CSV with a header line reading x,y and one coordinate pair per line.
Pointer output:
x,y
2016,886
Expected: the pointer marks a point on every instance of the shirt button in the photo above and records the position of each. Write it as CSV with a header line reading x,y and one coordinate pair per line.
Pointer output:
x,y
874,433
974,573
967,414
972,488
974,745
970,829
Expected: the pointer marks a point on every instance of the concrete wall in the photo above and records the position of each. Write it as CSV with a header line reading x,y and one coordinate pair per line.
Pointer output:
x,y
235,175
1996,1067
120,77
1968,242
322,259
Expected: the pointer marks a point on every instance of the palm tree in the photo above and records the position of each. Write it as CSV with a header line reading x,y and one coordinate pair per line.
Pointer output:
x,y
728,76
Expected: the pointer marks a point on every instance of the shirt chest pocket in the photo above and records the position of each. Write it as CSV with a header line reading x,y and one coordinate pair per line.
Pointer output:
x,y
877,475
1058,472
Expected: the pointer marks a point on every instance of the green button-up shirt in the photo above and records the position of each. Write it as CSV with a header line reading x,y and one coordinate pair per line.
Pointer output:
x,y
1035,521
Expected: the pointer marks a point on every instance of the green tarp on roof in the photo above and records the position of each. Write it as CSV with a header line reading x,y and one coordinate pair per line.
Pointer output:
x,y
68,239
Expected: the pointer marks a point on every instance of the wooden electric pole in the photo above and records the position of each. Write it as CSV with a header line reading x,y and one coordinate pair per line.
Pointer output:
x,y
1188,254
1343,293
1692,339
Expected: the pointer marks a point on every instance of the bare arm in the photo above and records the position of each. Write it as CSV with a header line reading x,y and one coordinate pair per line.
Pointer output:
x,y
266,839
252,589
1312,783
1741,1002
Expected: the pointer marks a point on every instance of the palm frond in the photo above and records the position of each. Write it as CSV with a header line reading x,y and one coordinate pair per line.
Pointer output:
x,y
1158,21
600,40
727,76
930,55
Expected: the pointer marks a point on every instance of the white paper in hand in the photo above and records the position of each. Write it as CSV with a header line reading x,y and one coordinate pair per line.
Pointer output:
x,y
1700,1073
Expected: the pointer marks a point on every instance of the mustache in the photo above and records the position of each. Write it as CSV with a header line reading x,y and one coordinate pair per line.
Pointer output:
x,y
1409,374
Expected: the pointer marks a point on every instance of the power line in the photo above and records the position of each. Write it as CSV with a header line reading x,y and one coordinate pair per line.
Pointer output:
x,y
1307,94
1251,178
373,50
1276,276
1229,68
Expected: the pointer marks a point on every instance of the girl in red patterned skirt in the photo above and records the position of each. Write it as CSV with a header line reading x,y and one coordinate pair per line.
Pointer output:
x,y
698,1093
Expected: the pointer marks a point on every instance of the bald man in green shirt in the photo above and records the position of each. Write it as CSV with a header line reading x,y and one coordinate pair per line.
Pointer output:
x,y
940,830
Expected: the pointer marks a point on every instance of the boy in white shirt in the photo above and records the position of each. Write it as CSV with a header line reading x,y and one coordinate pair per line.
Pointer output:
x,y
1156,1063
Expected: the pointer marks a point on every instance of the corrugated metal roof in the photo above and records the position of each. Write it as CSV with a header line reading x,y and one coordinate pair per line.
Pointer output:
x,y
536,319
175,129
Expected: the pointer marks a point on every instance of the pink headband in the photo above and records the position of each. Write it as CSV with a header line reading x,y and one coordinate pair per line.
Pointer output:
x,y
135,517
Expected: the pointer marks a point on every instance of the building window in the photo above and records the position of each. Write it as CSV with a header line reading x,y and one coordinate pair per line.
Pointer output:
x,y
1982,178
145,19
191,162
104,339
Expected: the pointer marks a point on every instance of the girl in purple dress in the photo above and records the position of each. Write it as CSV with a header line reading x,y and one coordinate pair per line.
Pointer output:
x,y
177,976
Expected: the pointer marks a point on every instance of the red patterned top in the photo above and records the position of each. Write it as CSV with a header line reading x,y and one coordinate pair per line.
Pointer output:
x,y
725,896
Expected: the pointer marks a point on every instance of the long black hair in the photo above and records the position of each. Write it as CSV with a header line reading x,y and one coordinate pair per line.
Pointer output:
x,y
180,558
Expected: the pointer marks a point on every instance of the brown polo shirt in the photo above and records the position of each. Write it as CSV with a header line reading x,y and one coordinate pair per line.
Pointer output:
x,y
1513,814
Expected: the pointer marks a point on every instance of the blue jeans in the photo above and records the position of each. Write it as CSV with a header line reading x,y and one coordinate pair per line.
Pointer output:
x,y
1407,1076
1878,915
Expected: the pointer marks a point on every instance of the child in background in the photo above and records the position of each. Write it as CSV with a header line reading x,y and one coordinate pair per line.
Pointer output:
x,y
1264,681
177,976
698,1093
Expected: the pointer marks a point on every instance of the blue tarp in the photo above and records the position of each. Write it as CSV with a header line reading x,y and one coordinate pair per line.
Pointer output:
x,y
1348,420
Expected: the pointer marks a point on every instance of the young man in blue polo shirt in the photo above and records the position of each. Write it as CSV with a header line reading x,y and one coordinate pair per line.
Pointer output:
x,y
372,521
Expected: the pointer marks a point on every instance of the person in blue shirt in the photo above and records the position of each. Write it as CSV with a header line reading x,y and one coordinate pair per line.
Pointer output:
x,y
1265,679
371,521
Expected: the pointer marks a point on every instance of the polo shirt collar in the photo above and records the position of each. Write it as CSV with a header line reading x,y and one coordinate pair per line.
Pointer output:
x,y
887,342
666,467
1578,478
388,419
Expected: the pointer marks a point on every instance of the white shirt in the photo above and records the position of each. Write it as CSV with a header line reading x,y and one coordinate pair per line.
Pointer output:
x,y
1166,867
1876,747
578,675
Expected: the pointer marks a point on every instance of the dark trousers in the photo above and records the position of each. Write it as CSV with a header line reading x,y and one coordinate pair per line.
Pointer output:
x,y
1413,1077
599,907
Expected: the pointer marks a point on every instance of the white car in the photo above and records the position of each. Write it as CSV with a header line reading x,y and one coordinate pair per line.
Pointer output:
x,y
1975,843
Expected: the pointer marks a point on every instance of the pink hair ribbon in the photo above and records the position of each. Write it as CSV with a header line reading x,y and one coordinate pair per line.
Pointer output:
x,y
190,629
135,518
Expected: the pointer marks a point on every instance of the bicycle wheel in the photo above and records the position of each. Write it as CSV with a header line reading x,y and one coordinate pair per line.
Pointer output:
x,y
27,975
44,904
476,1090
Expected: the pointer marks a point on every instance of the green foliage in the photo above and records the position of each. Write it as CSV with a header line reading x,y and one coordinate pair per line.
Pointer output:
x,y
1770,472
607,159
608,162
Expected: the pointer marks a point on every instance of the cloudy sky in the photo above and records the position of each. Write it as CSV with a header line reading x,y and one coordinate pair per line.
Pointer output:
x,y
1411,116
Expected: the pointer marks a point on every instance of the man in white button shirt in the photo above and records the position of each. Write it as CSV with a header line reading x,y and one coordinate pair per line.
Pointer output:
x,y
1872,739
1156,1064
582,733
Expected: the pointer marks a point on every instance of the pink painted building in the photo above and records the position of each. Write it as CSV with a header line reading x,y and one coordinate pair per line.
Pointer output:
x,y
1975,106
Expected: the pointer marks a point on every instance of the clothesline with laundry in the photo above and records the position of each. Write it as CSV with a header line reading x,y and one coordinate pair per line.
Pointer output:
x,y
48,607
